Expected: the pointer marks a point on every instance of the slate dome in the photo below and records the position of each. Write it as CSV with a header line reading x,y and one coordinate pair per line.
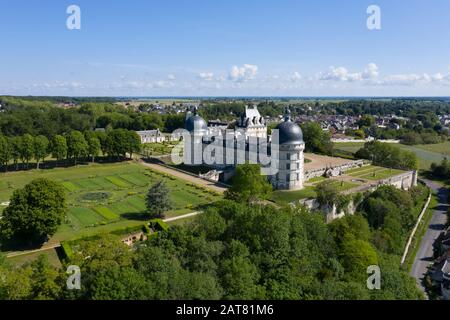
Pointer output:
x,y
195,123
289,132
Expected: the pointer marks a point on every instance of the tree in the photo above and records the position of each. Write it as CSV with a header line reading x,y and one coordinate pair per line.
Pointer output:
x,y
356,256
94,148
119,284
26,148
133,143
117,143
59,147
388,155
350,227
14,143
44,280
40,149
5,152
239,275
249,185
76,145
158,200
327,193
35,212
366,121
317,140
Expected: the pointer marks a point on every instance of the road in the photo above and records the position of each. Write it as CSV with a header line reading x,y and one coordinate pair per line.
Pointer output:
x,y
186,177
424,255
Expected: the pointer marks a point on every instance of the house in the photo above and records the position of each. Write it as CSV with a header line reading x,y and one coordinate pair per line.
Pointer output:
x,y
393,125
445,285
441,273
151,136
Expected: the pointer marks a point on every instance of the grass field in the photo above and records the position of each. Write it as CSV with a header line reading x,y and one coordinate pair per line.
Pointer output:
x,y
104,197
373,173
157,149
51,255
286,197
426,153
429,153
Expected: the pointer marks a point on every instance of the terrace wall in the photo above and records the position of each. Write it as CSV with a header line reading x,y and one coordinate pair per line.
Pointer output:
x,y
335,171
403,181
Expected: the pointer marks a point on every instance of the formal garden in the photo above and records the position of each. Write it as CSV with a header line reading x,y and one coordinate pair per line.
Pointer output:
x,y
102,198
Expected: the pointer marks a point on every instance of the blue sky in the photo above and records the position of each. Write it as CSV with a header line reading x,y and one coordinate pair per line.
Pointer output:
x,y
219,48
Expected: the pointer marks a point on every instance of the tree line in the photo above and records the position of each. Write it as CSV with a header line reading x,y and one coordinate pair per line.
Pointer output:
x,y
388,155
67,148
20,116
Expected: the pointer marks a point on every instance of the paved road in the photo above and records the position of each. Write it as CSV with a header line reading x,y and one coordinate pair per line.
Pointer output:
x,y
424,255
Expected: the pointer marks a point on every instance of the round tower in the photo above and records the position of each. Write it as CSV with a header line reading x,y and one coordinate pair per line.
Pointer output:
x,y
291,159
193,145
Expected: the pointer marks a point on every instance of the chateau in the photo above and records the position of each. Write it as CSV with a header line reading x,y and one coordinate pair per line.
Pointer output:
x,y
279,154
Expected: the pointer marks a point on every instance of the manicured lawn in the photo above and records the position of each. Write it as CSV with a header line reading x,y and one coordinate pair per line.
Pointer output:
x,y
51,255
316,180
373,173
381,174
117,181
344,185
86,216
104,197
157,149
285,197
357,172
106,213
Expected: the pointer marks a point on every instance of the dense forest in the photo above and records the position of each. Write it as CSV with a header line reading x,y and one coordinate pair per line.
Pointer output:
x,y
232,251
46,116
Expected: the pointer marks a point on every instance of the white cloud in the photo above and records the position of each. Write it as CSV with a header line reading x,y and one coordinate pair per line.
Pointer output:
x,y
371,71
413,79
296,77
171,77
241,74
342,74
207,76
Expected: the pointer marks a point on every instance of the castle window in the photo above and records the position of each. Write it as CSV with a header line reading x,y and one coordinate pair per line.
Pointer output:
x,y
298,176
288,156
298,165
288,178
288,166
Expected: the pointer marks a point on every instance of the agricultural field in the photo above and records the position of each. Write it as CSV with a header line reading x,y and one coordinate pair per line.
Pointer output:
x,y
348,146
102,198
426,153
429,153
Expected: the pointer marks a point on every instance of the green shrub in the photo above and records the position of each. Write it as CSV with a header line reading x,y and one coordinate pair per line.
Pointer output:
x,y
159,225
67,250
